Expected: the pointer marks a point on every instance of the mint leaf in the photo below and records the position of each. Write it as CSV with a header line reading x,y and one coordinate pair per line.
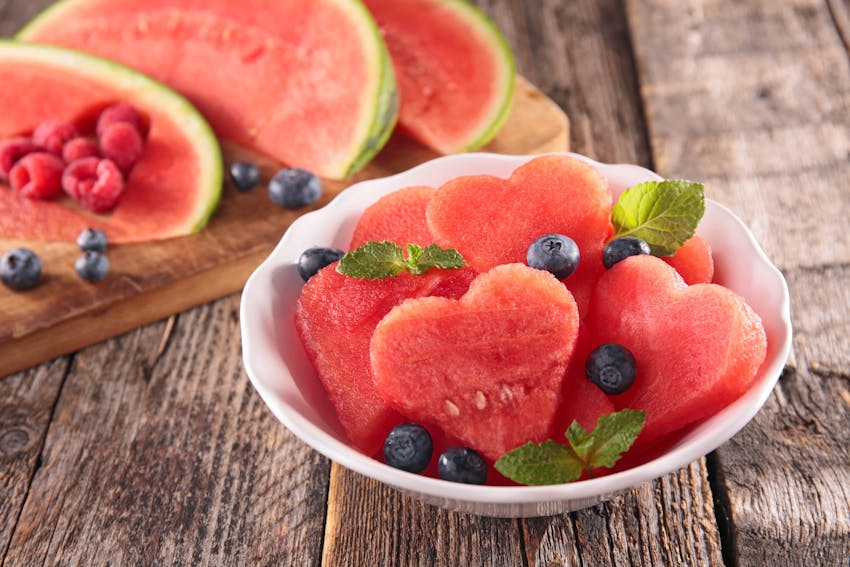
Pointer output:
x,y
613,435
546,463
446,259
373,260
553,463
663,213
378,260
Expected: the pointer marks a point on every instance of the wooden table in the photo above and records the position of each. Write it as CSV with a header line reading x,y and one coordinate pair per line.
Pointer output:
x,y
153,448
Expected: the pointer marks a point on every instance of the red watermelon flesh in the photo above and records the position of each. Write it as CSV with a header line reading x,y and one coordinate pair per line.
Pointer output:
x,y
493,221
171,191
335,318
486,368
308,82
455,71
698,348
398,217
693,261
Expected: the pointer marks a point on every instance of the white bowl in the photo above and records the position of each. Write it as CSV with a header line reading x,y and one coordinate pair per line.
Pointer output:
x,y
286,380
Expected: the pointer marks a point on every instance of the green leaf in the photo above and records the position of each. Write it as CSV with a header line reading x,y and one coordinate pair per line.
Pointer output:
x,y
546,463
663,213
446,259
613,435
580,440
378,260
373,260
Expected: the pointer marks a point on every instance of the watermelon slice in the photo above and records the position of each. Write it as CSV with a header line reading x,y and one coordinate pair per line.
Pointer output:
x,y
308,82
493,221
398,217
173,189
487,368
335,318
455,71
693,261
697,347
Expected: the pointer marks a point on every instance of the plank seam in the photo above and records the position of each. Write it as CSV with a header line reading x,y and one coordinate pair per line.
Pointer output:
x,y
40,458
722,510
522,548
834,18
572,519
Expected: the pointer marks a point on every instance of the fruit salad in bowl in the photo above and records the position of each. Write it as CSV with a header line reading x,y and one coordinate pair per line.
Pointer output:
x,y
516,335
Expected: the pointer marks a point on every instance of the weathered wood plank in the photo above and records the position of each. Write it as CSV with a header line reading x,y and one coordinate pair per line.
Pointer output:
x,y
753,99
787,475
26,406
160,452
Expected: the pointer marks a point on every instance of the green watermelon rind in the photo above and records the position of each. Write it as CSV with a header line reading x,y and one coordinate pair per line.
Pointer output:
x,y
382,119
145,93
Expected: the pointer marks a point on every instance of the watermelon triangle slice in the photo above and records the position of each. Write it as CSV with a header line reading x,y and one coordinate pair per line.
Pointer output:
x,y
173,189
307,82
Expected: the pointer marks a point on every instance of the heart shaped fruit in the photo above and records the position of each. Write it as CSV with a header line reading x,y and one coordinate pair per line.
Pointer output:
x,y
335,318
698,348
493,221
488,367
398,217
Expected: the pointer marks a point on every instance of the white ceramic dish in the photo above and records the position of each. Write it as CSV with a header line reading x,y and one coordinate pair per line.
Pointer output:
x,y
282,374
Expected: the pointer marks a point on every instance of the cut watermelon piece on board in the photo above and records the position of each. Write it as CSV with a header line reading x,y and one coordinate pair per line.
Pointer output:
x,y
307,82
493,221
487,368
173,189
698,348
398,217
335,318
455,71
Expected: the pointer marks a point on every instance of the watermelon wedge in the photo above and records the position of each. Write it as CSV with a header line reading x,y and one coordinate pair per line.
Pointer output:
x,y
454,68
173,189
308,82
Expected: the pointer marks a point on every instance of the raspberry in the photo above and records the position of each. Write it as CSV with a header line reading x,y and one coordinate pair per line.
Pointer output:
x,y
37,176
12,150
121,143
79,148
52,135
96,183
120,112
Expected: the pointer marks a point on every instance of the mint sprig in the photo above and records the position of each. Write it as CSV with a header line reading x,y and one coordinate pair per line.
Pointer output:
x,y
663,213
378,260
554,463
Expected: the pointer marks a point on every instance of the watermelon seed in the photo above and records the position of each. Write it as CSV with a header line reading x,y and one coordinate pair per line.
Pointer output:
x,y
507,394
480,400
452,409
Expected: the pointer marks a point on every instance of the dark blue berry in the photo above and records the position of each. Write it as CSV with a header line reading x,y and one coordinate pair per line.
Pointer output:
x,y
554,253
622,248
611,367
20,269
92,240
294,188
244,175
314,259
92,266
408,447
462,464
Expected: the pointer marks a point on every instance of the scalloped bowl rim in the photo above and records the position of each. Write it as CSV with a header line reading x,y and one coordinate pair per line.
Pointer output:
x,y
709,434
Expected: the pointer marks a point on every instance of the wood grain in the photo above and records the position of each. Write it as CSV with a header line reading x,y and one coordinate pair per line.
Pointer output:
x,y
170,457
152,280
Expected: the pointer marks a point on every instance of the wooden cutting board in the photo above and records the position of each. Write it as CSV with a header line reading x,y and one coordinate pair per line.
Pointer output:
x,y
150,281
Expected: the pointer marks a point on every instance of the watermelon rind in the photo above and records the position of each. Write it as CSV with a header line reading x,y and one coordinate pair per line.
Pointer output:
x,y
376,123
144,92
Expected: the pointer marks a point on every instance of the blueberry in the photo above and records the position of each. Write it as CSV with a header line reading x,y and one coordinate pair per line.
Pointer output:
x,y
20,269
92,266
314,259
294,188
621,248
611,367
554,253
244,175
92,240
408,447
462,464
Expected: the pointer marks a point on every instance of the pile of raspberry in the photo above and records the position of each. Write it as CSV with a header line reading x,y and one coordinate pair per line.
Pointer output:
x,y
59,158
